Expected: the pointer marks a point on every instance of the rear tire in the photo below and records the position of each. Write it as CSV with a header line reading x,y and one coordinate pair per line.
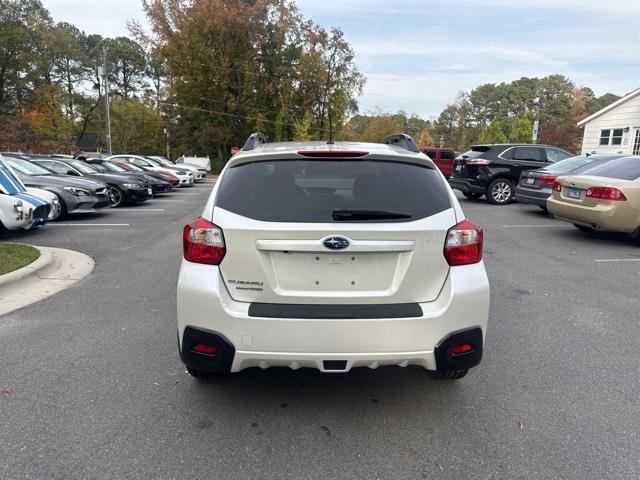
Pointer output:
x,y
447,375
472,195
500,191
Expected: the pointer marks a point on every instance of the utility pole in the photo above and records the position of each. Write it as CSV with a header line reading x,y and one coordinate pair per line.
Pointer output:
x,y
441,141
106,97
166,133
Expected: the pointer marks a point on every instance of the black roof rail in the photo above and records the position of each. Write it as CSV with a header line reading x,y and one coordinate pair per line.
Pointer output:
x,y
253,141
402,140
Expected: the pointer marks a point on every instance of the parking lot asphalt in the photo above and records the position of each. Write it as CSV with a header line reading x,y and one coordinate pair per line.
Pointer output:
x,y
91,385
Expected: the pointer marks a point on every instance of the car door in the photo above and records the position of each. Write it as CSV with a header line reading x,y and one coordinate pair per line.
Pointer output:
x,y
526,158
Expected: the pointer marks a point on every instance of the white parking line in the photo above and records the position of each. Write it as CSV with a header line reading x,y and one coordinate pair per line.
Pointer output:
x,y
89,224
534,226
603,260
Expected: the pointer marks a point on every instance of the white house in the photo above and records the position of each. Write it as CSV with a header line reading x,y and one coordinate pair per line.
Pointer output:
x,y
615,129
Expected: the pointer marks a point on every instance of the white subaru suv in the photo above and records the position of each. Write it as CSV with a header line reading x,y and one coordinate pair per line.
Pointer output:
x,y
332,256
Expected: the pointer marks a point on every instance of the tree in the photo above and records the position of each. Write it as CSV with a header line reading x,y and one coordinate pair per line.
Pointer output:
x,y
127,65
493,133
136,127
521,130
424,139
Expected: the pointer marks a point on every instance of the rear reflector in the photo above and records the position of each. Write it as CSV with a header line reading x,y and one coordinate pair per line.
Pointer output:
x,y
463,245
478,161
462,348
547,180
203,242
606,193
332,153
205,349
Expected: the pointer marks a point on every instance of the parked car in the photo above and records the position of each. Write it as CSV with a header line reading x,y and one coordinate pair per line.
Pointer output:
x,y
122,190
199,173
606,198
314,255
51,199
76,195
203,162
18,208
186,178
535,186
157,185
494,170
442,157
161,175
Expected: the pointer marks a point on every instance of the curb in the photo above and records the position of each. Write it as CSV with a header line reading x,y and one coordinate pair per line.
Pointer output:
x,y
44,260
55,270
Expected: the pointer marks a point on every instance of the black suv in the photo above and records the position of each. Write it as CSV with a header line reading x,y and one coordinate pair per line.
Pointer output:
x,y
494,170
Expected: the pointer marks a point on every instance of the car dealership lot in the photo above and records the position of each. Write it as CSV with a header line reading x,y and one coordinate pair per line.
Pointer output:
x,y
92,386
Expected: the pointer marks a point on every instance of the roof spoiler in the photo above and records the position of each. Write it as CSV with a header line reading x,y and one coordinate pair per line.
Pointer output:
x,y
253,141
402,140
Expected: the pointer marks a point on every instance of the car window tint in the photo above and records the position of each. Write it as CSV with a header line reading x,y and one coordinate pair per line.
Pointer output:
x,y
310,190
528,153
447,155
555,155
627,168
56,167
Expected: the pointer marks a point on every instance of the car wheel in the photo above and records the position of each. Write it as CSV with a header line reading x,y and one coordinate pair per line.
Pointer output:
x,y
61,212
472,195
500,191
582,228
447,375
116,196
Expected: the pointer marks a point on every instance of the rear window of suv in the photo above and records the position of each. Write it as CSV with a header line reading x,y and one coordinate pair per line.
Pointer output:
x,y
312,191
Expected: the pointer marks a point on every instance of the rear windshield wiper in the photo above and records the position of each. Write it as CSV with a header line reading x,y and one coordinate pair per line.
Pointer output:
x,y
345,215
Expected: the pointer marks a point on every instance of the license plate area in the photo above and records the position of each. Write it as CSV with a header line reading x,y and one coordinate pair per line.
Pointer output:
x,y
574,193
530,181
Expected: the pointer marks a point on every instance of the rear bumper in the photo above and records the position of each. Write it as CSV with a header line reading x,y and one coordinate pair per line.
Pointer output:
x,y
466,186
605,217
463,305
532,197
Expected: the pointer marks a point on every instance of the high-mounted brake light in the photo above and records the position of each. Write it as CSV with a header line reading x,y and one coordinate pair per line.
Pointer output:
x,y
203,242
478,161
463,245
557,187
606,193
332,153
547,180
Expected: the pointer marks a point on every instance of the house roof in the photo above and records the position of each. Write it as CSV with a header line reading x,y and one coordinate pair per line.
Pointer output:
x,y
622,100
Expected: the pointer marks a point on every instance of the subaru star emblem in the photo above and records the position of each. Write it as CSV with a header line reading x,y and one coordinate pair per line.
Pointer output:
x,y
336,243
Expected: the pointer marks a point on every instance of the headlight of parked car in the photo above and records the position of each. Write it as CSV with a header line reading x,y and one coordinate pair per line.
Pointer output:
x,y
17,205
78,192
133,186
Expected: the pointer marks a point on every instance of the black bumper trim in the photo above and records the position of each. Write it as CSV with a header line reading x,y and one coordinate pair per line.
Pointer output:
x,y
446,361
466,186
220,363
331,312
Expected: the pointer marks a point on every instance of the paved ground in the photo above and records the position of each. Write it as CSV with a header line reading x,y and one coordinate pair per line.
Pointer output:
x,y
97,389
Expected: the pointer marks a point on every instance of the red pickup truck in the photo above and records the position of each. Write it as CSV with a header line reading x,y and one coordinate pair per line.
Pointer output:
x,y
442,157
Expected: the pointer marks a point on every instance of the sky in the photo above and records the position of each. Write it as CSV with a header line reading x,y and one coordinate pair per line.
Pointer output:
x,y
418,54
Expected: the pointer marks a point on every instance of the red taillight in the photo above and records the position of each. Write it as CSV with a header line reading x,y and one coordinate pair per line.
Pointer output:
x,y
557,187
462,348
203,242
478,161
547,180
464,244
606,193
332,153
205,349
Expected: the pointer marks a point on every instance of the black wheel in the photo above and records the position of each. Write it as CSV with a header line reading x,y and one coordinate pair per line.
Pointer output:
x,y
447,375
500,191
582,228
116,196
202,375
472,195
62,211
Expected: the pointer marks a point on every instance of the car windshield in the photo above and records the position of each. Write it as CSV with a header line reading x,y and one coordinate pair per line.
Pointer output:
x,y
112,167
475,152
27,168
163,161
627,168
317,191
153,161
82,167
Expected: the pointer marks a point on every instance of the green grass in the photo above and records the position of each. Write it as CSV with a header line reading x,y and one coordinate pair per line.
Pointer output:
x,y
14,256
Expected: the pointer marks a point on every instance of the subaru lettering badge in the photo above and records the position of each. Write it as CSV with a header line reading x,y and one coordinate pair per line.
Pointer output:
x,y
336,243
